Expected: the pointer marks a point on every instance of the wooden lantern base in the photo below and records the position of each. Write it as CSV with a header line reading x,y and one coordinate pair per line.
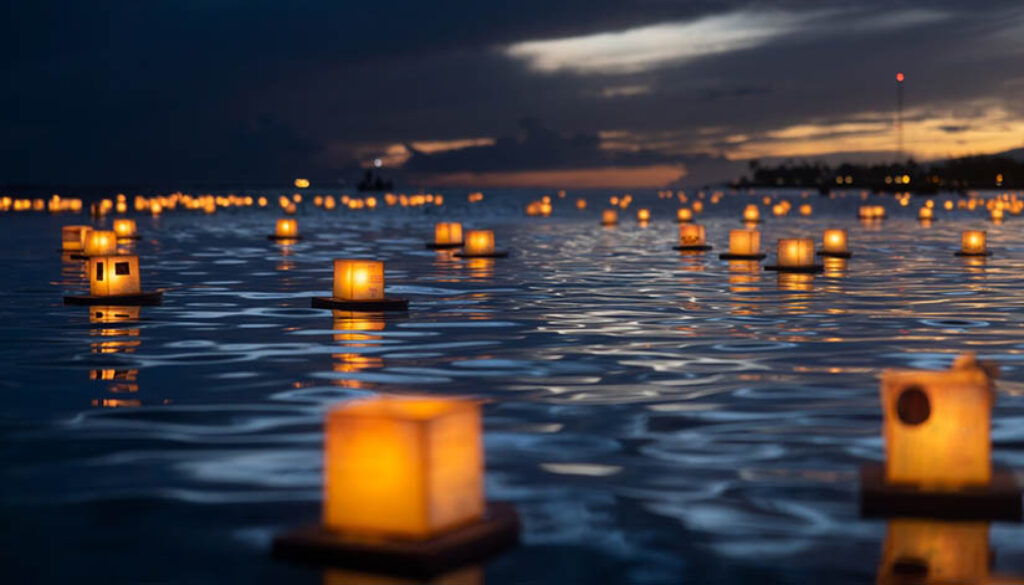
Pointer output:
x,y
957,253
433,246
385,304
999,500
825,254
703,248
495,254
796,269
416,559
275,238
730,256
143,299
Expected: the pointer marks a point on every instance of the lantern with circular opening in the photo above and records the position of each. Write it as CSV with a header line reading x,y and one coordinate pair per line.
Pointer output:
x,y
73,238
972,243
359,286
125,229
286,230
115,280
480,244
834,244
938,447
744,245
609,217
447,235
404,490
692,238
795,255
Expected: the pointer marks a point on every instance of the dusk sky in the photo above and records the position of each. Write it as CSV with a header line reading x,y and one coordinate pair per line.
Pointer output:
x,y
583,93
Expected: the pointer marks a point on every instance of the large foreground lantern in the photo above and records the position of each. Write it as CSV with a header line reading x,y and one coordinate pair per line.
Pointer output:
x,y
936,426
480,244
972,243
403,489
359,286
73,237
286,230
744,245
100,243
115,280
795,255
692,238
834,244
609,217
446,235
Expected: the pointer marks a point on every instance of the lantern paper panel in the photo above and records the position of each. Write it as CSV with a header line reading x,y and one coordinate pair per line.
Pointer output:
x,y
73,237
973,242
745,242
287,228
447,233
479,242
359,280
834,241
124,228
114,276
796,252
691,235
101,243
609,217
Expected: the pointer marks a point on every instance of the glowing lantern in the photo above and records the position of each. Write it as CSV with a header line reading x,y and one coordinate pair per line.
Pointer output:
x,y
73,237
115,280
751,214
581,203
125,229
609,217
643,215
996,214
100,243
834,244
480,244
684,215
806,209
744,245
286,229
925,214
795,255
972,243
698,206
945,552
359,285
446,235
692,237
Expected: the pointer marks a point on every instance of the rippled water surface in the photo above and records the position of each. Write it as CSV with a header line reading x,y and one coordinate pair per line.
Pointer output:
x,y
655,417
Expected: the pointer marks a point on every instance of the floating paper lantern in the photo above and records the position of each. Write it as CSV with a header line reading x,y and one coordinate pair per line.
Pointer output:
x,y
692,238
581,203
806,209
751,213
926,214
100,243
301,183
871,212
359,286
996,214
698,206
115,280
972,243
609,217
403,489
73,237
834,244
643,215
125,229
795,255
744,245
684,215
446,235
287,229
480,244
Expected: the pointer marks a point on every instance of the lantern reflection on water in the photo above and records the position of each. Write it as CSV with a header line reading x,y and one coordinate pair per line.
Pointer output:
x,y
795,255
929,551
743,245
480,244
692,238
359,286
403,489
972,243
286,229
446,235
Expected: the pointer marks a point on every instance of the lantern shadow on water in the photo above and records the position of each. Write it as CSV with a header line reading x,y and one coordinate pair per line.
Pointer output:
x,y
403,490
115,280
480,244
358,285
936,426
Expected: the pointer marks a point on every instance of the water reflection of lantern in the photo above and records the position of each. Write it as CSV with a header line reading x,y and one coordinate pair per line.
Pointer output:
x,y
480,244
125,229
468,575
609,217
684,215
286,229
936,426
795,255
73,237
931,551
796,282
359,286
692,238
446,235
115,280
743,245
100,243
834,244
751,213
972,243
643,215
403,489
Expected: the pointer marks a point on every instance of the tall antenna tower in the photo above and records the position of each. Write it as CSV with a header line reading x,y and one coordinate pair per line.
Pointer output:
x,y
899,117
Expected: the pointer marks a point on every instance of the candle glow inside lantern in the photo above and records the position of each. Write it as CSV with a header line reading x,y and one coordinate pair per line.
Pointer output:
x,y
609,217
480,244
972,243
359,285
286,229
446,235
125,229
100,243
643,215
403,480
73,237
751,213
684,215
795,255
926,214
834,244
115,280
692,237
744,245
936,426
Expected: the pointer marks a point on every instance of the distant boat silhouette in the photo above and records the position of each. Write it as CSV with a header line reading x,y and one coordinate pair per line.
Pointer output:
x,y
374,182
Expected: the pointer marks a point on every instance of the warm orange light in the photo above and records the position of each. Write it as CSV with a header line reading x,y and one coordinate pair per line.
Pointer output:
x,y
925,214
936,425
899,78
806,209
73,237
834,241
114,314
479,242
124,228
111,275
609,217
698,206
301,183
691,234
100,243
287,228
751,213
996,214
947,552
796,252
581,203
643,215
403,466
745,242
972,242
684,215
359,280
447,233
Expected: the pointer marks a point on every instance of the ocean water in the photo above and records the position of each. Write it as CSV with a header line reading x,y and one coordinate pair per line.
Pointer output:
x,y
656,417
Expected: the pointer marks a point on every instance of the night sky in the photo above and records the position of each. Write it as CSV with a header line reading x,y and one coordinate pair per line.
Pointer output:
x,y
479,94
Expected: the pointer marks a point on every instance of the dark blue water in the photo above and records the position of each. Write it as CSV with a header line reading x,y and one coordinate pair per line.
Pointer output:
x,y
655,417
